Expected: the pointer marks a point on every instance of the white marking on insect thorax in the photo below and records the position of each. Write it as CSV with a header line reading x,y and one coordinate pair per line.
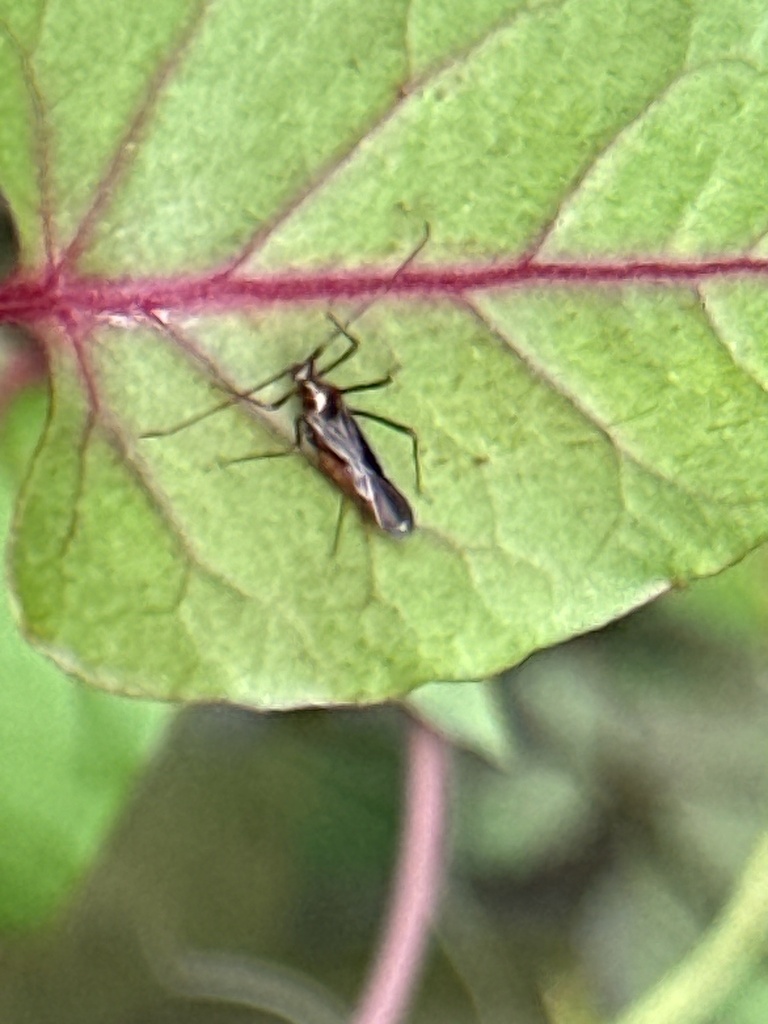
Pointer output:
x,y
319,396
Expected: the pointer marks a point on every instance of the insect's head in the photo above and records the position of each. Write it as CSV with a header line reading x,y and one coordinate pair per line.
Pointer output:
x,y
305,371
313,391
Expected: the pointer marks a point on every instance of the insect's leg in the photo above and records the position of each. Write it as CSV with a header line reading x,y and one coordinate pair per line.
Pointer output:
x,y
271,406
188,422
401,428
295,449
339,522
255,457
234,397
382,382
349,351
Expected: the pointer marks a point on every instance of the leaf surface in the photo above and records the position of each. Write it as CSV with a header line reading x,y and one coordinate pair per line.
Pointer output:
x,y
579,346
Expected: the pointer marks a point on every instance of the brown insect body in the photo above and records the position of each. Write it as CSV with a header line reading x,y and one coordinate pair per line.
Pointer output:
x,y
343,454
328,427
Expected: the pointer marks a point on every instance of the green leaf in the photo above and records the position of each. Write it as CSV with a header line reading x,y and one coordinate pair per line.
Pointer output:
x,y
722,961
734,604
468,714
68,755
584,446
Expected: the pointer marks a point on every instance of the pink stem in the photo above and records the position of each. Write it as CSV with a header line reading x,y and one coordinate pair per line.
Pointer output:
x,y
416,889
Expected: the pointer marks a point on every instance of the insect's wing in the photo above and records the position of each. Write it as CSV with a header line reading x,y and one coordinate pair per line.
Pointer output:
x,y
340,435
390,508
362,477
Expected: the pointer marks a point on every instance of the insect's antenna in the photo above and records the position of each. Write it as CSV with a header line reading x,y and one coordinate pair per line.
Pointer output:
x,y
379,295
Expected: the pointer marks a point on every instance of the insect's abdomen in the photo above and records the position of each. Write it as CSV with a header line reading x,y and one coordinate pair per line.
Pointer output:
x,y
382,503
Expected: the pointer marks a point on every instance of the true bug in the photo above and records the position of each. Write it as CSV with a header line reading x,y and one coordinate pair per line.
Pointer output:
x,y
341,452
327,426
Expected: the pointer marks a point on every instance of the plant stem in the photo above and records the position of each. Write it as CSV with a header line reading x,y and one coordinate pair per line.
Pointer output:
x,y
416,887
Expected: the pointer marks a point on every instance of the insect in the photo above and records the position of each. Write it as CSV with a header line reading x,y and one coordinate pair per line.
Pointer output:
x,y
327,428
